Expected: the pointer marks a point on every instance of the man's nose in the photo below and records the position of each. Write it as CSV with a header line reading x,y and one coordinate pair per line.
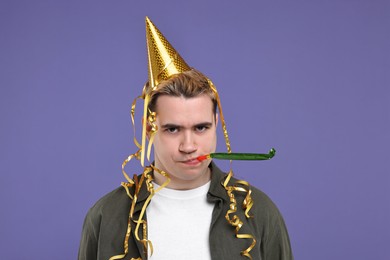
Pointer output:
x,y
188,144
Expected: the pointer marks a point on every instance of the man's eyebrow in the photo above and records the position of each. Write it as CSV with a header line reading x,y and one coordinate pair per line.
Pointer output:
x,y
166,126
169,125
207,124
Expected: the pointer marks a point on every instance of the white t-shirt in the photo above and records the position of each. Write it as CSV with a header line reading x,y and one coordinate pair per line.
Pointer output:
x,y
178,224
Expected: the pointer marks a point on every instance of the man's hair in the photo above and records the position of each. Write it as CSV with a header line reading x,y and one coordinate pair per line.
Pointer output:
x,y
187,84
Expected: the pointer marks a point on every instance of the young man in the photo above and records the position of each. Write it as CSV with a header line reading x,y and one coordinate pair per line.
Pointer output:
x,y
182,207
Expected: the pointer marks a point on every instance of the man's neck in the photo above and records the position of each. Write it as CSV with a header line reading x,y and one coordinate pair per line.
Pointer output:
x,y
179,184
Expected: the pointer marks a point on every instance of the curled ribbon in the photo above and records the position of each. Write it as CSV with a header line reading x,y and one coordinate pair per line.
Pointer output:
x,y
248,202
152,131
222,118
234,220
137,183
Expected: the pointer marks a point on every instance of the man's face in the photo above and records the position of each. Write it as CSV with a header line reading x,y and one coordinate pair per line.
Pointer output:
x,y
186,130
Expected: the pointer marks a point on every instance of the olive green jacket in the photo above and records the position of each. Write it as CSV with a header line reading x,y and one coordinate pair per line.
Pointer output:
x,y
105,226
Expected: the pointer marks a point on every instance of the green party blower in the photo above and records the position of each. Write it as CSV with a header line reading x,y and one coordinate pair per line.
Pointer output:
x,y
238,156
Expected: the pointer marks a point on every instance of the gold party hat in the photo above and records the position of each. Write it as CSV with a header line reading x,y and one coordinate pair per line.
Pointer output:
x,y
163,60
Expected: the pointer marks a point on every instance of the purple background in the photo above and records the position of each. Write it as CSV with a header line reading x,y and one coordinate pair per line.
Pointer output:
x,y
310,78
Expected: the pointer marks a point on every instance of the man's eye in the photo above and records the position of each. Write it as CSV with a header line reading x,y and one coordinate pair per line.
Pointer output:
x,y
201,128
172,130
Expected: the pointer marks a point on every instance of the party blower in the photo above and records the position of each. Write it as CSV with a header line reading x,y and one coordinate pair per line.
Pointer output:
x,y
238,156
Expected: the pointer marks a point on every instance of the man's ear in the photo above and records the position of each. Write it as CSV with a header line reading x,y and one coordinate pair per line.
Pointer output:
x,y
148,128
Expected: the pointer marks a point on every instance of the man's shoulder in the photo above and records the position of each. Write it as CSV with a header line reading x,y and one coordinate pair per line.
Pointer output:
x,y
257,194
263,201
114,201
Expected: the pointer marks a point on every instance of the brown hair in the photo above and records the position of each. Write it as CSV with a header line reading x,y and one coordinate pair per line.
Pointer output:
x,y
187,84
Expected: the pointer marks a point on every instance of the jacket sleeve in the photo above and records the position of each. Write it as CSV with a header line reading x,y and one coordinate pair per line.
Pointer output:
x,y
277,244
89,238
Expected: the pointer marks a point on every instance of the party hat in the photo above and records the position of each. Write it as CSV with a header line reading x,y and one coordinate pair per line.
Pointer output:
x,y
163,60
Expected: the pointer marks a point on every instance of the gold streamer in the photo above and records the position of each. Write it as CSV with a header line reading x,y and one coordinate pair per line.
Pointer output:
x,y
163,173
126,186
152,132
146,178
235,221
224,129
132,113
140,220
115,257
144,130
248,202
149,185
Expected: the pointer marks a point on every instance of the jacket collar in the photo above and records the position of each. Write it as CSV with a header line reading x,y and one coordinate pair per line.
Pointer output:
x,y
216,187
217,178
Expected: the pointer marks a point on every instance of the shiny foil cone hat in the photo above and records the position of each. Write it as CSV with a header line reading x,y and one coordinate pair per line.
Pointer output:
x,y
163,62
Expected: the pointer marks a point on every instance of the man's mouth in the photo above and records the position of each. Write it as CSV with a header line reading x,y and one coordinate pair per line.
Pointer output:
x,y
192,161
